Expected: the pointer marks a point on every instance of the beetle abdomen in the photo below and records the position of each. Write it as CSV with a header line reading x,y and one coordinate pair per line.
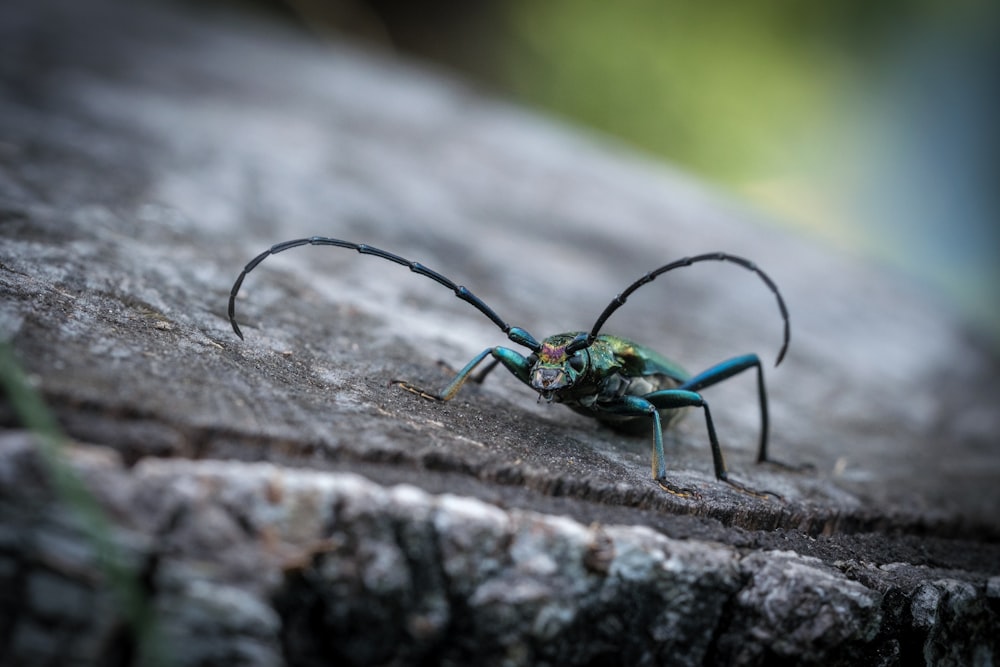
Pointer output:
x,y
617,385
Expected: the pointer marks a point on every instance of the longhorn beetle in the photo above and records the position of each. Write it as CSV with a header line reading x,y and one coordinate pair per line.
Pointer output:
x,y
607,377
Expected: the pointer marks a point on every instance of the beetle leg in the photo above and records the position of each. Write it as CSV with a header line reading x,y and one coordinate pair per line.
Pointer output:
x,y
481,375
513,361
478,377
638,406
671,399
728,369
452,387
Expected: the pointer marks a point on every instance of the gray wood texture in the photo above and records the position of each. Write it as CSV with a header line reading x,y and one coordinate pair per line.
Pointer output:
x,y
285,506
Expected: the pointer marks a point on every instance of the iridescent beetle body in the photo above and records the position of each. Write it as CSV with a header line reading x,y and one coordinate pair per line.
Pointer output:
x,y
610,378
615,368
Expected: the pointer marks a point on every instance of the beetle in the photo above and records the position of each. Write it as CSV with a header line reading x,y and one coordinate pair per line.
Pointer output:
x,y
610,378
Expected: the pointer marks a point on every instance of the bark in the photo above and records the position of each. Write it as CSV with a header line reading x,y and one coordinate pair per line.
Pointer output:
x,y
274,501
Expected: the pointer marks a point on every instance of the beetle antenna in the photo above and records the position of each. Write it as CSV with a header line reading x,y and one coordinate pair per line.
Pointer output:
x,y
619,301
516,334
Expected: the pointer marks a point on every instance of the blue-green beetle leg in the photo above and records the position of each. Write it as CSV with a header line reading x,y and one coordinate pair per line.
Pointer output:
x,y
478,377
513,361
452,387
481,375
637,406
672,399
728,369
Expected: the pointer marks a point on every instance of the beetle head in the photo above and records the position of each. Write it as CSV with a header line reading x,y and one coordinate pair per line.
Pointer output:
x,y
556,368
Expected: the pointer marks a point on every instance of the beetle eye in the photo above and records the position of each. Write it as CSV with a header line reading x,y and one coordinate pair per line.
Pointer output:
x,y
532,358
577,362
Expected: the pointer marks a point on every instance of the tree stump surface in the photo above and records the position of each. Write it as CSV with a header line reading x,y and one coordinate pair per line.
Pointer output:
x,y
282,504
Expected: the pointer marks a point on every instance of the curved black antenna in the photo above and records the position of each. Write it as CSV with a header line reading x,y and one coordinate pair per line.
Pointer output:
x,y
619,301
516,334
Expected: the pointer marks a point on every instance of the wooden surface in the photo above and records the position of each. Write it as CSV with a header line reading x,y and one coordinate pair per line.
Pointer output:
x,y
147,154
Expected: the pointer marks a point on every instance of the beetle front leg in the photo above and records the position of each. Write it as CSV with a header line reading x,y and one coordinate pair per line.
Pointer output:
x,y
478,377
513,361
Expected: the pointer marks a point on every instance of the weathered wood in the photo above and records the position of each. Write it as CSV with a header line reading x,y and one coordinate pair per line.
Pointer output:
x,y
285,506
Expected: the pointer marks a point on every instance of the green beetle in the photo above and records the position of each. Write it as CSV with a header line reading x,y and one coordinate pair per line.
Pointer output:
x,y
610,378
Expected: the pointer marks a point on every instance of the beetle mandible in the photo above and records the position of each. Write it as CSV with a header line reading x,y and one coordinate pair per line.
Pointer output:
x,y
610,378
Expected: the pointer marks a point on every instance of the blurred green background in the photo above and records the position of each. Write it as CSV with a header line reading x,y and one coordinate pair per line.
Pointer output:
x,y
872,125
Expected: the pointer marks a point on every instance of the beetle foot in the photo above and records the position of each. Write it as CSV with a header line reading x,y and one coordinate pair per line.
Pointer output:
x,y
414,389
678,491
753,492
